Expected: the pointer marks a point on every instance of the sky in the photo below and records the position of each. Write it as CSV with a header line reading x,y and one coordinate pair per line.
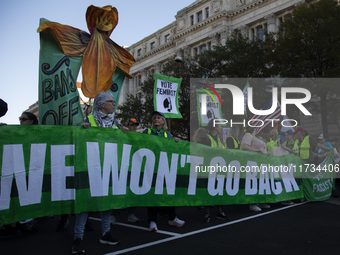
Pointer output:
x,y
19,42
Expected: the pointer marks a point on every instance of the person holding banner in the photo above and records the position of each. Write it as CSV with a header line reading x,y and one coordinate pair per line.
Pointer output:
x,y
306,145
131,125
103,112
288,145
159,128
212,139
252,143
199,134
320,153
102,117
28,118
28,225
232,141
274,141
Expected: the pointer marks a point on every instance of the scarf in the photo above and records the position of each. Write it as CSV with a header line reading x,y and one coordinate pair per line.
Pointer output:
x,y
102,119
158,133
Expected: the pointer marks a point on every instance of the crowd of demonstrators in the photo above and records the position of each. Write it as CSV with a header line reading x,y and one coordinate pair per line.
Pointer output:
x,y
160,128
297,142
212,139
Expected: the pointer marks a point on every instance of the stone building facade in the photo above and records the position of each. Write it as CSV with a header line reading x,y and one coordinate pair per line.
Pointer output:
x,y
206,23
200,26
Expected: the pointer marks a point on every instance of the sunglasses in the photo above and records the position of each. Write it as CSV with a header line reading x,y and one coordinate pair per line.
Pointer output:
x,y
23,119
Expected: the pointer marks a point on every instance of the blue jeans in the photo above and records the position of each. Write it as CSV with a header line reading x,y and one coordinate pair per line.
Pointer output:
x,y
81,219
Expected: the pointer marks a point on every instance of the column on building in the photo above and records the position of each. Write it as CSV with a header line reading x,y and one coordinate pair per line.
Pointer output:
x,y
131,82
158,67
214,39
271,22
144,75
244,30
224,36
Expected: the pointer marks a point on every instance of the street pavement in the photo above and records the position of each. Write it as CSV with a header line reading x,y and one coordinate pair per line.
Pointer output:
x,y
303,228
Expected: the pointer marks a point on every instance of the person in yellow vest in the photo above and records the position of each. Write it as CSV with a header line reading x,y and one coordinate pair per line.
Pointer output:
x,y
232,141
103,112
274,142
102,117
252,143
160,128
288,145
306,145
199,134
212,139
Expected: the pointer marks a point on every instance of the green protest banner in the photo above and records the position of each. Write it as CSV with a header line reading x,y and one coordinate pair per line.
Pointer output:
x,y
318,181
165,96
58,95
51,170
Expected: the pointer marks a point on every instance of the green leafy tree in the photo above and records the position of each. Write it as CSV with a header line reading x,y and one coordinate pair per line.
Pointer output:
x,y
308,45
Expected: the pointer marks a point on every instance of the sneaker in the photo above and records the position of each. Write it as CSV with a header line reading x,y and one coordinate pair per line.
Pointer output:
x,y
264,206
222,216
206,218
108,239
254,208
287,203
30,226
113,220
76,246
61,225
153,226
132,218
176,222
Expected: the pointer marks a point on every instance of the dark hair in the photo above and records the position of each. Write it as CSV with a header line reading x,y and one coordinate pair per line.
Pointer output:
x,y
210,125
31,116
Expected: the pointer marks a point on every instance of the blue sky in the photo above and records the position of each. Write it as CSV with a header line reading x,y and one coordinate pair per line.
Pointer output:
x,y
19,41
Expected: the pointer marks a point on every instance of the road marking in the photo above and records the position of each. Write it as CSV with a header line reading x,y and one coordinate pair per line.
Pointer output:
x,y
140,228
201,230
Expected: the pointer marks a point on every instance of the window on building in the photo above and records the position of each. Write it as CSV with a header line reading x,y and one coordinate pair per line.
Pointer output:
x,y
252,34
260,33
167,38
152,45
199,16
280,20
203,48
209,46
207,12
139,80
191,20
195,51
139,96
152,73
139,52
